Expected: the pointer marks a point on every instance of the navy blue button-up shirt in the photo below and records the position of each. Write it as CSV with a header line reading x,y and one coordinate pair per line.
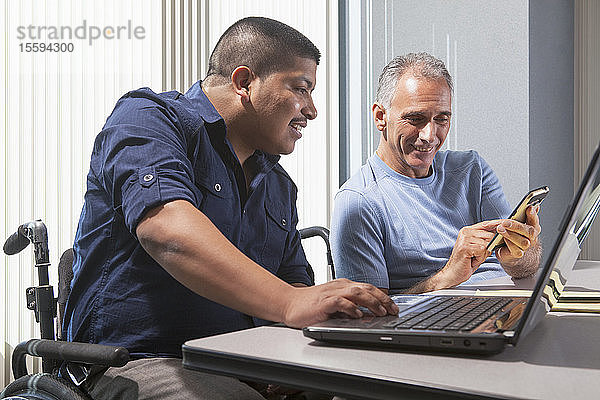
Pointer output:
x,y
156,148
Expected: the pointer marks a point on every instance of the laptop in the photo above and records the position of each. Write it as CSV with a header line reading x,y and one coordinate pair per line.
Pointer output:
x,y
471,323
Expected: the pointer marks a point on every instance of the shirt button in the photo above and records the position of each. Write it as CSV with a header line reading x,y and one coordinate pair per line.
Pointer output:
x,y
283,222
148,177
217,187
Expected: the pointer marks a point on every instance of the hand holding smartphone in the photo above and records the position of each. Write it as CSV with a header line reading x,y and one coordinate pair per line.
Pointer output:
x,y
533,198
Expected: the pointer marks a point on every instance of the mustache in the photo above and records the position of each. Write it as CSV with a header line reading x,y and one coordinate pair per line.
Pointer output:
x,y
300,121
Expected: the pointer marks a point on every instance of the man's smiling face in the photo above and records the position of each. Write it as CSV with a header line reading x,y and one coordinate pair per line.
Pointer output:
x,y
415,125
283,104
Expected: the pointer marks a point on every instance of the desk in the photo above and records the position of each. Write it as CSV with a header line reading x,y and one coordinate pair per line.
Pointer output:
x,y
560,359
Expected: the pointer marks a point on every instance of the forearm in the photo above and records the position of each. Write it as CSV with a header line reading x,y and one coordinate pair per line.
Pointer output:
x,y
526,265
434,282
188,246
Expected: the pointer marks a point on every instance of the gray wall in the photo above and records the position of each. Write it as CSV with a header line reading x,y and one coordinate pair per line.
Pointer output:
x,y
485,48
512,62
551,124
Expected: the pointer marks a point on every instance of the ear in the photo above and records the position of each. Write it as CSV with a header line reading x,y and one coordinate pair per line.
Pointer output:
x,y
379,117
240,79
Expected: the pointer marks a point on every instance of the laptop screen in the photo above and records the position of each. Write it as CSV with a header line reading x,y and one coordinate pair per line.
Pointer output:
x,y
559,262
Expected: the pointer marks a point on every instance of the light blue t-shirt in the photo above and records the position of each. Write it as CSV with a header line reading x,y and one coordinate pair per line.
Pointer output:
x,y
394,231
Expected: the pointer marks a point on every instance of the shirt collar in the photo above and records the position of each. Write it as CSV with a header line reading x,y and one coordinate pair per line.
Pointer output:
x,y
200,101
264,162
213,121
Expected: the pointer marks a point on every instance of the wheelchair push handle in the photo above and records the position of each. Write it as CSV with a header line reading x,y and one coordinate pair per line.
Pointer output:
x,y
34,232
40,299
323,232
16,242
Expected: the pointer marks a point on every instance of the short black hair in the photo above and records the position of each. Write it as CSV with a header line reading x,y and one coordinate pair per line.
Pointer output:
x,y
262,44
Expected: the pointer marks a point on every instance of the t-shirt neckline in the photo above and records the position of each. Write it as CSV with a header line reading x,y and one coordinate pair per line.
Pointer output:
x,y
387,170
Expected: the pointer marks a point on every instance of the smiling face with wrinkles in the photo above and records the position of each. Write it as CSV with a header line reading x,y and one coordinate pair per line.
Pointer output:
x,y
415,125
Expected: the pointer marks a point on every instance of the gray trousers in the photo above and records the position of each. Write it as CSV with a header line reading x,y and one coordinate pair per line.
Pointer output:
x,y
166,379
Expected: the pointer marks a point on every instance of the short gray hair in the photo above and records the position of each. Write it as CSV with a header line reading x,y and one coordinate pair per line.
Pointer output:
x,y
422,65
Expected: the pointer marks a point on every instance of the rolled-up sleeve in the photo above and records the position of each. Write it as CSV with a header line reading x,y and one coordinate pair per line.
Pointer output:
x,y
144,161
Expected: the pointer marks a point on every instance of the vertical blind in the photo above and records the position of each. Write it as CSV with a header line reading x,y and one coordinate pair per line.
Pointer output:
x,y
55,102
587,102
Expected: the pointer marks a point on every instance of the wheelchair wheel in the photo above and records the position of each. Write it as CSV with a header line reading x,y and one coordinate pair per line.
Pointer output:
x,y
42,387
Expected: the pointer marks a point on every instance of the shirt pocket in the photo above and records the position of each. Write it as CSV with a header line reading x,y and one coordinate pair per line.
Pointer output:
x,y
217,202
278,226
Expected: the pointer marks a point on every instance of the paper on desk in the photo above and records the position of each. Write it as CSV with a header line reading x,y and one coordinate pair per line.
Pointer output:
x,y
577,307
504,293
588,302
579,296
408,299
578,301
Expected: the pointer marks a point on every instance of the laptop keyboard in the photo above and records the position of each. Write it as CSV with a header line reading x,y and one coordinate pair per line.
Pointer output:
x,y
450,314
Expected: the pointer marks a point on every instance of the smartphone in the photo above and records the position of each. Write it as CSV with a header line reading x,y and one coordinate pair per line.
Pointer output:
x,y
533,198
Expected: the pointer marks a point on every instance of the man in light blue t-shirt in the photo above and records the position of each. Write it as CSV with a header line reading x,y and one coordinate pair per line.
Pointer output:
x,y
416,219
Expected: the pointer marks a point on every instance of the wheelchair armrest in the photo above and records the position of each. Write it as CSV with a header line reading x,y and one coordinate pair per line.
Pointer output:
x,y
86,353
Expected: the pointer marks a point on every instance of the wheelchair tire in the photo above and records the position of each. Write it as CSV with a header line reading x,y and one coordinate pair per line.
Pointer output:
x,y
42,387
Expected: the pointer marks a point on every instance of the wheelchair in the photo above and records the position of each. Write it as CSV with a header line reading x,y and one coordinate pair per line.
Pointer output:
x,y
66,365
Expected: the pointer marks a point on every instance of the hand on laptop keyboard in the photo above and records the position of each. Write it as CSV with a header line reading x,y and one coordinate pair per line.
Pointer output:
x,y
310,305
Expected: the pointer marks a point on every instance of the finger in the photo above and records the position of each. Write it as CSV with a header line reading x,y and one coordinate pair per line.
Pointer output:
x,y
486,236
517,227
370,297
501,253
385,300
336,304
477,245
489,225
479,259
516,239
472,247
467,236
479,234
533,219
356,289
515,251
504,255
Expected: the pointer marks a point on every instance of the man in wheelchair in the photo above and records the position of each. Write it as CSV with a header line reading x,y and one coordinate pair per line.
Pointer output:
x,y
188,228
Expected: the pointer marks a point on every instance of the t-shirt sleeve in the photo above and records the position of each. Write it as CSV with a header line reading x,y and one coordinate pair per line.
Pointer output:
x,y
357,240
142,159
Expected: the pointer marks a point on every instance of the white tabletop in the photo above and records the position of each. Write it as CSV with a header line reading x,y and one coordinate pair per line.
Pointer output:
x,y
560,359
